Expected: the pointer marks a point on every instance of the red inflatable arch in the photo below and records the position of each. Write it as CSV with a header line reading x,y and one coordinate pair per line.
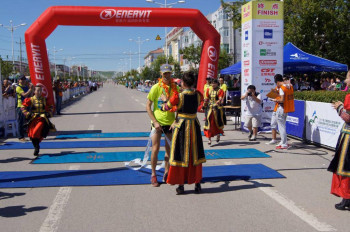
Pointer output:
x,y
117,16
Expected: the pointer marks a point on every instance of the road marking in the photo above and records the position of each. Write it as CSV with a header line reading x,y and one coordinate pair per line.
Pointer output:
x,y
292,207
91,127
137,100
96,115
143,104
56,210
100,105
103,100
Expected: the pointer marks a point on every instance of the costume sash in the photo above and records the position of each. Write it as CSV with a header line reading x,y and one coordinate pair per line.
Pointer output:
x,y
146,156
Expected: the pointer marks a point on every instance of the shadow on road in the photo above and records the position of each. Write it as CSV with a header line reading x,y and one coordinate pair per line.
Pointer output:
x,y
13,159
18,211
4,195
109,112
226,188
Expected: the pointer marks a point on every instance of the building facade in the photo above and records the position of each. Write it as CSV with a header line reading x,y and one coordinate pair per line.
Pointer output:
x,y
151,56
179,38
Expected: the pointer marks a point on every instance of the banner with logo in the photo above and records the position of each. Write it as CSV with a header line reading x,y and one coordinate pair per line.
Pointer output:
x,y
117,16
323,124
262,49
295,120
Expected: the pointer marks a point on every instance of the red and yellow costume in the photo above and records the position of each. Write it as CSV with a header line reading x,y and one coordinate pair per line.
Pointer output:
x,y
340,165
36,112
214,123
187,152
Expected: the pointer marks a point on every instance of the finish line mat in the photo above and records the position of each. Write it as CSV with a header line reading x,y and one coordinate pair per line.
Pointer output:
x,y
77,144
92,157
125,176
106,135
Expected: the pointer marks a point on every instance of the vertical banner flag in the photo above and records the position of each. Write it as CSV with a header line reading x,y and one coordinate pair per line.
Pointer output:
x,y
262,49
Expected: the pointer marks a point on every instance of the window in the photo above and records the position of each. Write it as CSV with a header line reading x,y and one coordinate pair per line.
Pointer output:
x,y
186,39
226,47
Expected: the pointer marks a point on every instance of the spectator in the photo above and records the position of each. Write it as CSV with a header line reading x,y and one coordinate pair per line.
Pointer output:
x,y
7,90
332,85
254,111
58,94
284,104
325,84
23,91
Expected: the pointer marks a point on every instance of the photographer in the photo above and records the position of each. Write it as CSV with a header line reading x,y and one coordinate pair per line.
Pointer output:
x,y
254,111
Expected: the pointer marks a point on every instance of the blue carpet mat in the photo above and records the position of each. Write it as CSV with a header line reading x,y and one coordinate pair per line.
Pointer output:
x,y
92,157
77,144
124,176
106,135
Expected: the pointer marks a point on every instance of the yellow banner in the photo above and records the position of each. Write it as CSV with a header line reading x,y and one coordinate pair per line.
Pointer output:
x,y
262,10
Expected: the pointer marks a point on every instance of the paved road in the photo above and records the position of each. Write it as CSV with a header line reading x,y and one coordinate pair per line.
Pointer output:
x,y
300,202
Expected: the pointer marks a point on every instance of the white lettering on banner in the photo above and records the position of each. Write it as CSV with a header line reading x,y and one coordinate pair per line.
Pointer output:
x,y
267,43
213,55
268,62
268,24
37,61
268,12
293,120
211,70
125,14
44,89
246,63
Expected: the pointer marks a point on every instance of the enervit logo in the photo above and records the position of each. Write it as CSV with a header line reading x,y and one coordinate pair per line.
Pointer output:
x,y
43,87
268,62
246,63
213,55
125,14
268,33
246,35
108,14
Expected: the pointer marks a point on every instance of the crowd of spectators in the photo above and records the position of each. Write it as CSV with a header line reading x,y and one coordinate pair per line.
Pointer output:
x,y
313,83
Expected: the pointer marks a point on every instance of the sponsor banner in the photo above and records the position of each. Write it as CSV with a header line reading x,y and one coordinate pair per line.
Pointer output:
x,y
262,10
322,123
295,120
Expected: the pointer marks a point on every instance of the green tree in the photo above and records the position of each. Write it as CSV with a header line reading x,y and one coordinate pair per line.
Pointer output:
x,y
6,68
193,55
318,27
225,59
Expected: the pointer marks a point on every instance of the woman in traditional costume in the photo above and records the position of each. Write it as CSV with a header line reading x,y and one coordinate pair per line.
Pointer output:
x,y
187,152
340,165
213,99
37,113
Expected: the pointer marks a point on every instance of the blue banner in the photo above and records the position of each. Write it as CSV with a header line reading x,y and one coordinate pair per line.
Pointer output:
x,y
295,120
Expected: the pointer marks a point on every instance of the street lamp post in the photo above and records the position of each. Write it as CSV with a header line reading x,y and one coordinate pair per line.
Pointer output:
x,y
54,58
12,28
129,53
139,42
166,5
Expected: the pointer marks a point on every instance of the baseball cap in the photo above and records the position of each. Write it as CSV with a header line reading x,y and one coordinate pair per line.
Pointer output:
x,y
165,68
22,77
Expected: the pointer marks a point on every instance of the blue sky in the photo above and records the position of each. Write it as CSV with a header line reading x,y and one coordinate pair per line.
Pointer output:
x,y
100,48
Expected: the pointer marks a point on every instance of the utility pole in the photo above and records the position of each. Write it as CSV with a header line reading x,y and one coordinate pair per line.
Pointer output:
x,y
20,52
